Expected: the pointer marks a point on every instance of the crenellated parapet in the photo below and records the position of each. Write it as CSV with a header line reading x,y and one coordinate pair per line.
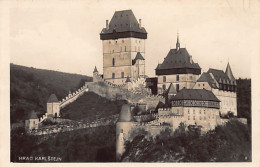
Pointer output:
x,y
73,96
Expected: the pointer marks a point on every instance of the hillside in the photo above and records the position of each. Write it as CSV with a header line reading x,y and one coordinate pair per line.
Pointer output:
x,y
91,106
230,143
84,145
30,88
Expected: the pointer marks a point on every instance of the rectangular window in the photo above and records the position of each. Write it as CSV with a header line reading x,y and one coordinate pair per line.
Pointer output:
x,y
125,48
177,77
164,78
122,75
188,117
113,75
193,117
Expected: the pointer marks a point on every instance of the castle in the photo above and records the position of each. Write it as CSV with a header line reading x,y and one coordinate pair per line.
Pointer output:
x,y
179,93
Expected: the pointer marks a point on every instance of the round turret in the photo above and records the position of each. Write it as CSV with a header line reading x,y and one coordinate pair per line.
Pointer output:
x,y
126,115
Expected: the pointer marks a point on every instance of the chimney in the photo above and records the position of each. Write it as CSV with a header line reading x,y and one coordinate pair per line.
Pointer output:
x,y
140,23
107,24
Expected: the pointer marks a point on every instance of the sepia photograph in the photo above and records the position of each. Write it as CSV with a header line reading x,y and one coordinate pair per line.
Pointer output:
x,y
98,81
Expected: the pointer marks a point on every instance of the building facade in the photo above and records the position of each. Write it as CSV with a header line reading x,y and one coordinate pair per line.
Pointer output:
x,y
223,85
192,107
177,68
123,41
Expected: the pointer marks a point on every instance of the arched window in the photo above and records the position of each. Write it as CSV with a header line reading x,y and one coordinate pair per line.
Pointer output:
x,y
113,75
113,62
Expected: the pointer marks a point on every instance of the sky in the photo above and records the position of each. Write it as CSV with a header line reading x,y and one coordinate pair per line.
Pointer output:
x,y
64,35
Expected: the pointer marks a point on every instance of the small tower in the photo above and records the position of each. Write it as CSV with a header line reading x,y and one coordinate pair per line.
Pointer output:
x,y
95,74
32,122
123,126
178,43
230,74
128,83
53,106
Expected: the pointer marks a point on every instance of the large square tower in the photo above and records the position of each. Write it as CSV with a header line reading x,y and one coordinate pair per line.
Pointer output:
x,y
123,48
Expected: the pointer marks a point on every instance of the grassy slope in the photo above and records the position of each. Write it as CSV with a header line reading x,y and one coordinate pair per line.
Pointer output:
x,y
91,106
30,88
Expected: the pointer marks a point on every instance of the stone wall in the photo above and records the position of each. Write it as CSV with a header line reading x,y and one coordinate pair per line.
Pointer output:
x,y
119,92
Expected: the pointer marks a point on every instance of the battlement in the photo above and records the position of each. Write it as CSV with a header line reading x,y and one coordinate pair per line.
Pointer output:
x,y
73,96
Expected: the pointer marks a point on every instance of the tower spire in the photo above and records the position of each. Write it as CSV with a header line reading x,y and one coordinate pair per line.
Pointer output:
x,y
177,43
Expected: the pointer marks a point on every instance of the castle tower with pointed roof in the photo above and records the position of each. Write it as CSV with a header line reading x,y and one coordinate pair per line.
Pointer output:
x,y
177,68
53,106
123,41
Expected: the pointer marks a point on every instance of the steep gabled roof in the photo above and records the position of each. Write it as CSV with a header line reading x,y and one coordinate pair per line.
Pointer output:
x,y
195,94
95,69
53,99
171,89
220,76
138,57
205,77
123,21
178,59
230,74
32,115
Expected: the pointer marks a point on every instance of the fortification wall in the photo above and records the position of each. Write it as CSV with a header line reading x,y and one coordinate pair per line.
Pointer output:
x,y
73,96
120,92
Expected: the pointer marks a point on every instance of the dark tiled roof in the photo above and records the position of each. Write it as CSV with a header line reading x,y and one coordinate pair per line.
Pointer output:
x,y
171,89
205,77
32,115
123,21
220,76
138,57
53,99
195,94
95,69
230,74
178,59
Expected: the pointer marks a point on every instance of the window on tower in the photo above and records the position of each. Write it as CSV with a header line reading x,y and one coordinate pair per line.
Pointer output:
x,y
164,78
177,77
113,62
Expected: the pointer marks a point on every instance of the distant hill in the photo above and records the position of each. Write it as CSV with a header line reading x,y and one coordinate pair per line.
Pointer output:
x,y
30,88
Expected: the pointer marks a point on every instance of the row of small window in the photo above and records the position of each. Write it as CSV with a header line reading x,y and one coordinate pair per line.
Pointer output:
x,y
116,41
113,51
202,84
114,75
177,78
199,112
194,118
